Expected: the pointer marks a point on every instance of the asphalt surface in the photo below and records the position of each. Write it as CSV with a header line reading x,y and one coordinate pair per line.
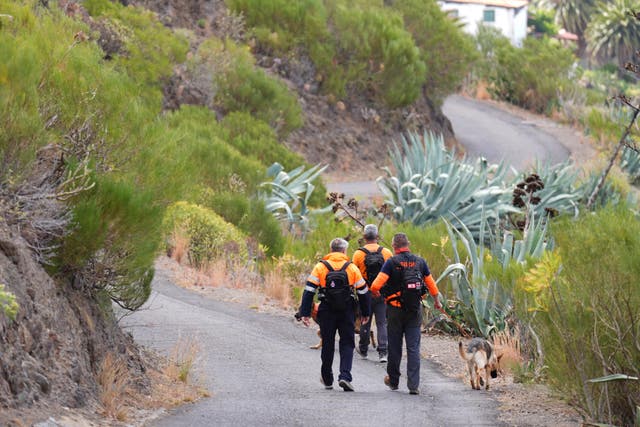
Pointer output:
x,y
487,131
260,372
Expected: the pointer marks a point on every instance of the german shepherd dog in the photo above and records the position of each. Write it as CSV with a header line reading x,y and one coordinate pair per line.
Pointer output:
x,y
314,316
480,356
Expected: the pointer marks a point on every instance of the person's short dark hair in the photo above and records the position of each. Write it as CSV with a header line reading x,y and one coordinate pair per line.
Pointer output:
x,y
370,232
400,240
338,245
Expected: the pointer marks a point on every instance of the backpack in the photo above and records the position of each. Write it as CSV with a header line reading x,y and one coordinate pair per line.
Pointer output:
x,y
411,283
373,262
337,292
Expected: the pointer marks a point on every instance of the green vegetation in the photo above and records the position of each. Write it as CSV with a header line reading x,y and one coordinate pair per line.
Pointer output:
x,y
210,237
533,76
96,93
8,303
590,324
387,52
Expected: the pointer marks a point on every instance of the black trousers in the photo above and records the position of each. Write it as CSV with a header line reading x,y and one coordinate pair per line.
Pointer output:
x,y
342,322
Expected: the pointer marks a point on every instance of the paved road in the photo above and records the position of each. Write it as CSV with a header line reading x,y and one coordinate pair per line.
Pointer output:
x,y
260,372
485,130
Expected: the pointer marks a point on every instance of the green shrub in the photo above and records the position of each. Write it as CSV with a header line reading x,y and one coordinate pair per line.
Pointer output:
x,y
113,242
254,138
151,48
210,236
281,24
531,77
188,152
8,305
591,326
250,216
240,86
379,55
446,51
264,227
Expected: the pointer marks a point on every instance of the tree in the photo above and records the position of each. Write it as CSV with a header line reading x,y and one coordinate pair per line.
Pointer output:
x,y
574,16
614,32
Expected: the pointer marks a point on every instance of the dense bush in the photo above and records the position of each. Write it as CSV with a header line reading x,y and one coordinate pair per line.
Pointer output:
x,y
533,76
240,86
379,56
590,325
447,52
113,242
210,236
250,215
380,48
150,49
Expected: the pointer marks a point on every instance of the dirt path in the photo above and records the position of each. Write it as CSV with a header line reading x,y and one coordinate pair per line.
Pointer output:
x,y
260,371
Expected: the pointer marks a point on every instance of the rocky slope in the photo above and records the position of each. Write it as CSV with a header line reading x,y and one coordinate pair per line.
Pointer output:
x,y
51,353
352,135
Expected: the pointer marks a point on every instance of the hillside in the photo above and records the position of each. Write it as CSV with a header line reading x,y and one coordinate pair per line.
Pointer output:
x,y
352,133
103,102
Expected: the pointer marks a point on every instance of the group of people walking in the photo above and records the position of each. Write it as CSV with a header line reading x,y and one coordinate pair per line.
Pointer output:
x,y
389,286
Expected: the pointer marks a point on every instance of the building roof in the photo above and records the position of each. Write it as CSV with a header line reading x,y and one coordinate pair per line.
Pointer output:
x,y
510,4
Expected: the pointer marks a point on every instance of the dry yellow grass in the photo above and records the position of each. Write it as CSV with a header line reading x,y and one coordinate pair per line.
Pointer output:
x,y
180,245
508,344
113,381
182,359
278,287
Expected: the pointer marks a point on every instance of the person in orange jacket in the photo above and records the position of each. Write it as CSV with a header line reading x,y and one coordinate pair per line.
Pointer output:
x,y
369,259
335,277
404,281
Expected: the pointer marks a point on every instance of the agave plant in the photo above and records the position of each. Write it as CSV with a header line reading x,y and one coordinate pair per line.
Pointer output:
x,y
630,163
560,192
533,244
432,183
484,303
289,193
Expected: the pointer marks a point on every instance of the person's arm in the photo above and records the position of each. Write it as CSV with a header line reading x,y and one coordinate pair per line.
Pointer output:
x,y
432,287
310,289
378,283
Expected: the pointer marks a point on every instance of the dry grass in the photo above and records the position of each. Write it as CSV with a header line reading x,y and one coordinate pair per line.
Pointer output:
x,y
182,359
482,92
278,287
508,344
113,381
181,243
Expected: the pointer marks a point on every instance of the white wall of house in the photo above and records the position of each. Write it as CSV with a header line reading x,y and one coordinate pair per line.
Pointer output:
x,y
510,20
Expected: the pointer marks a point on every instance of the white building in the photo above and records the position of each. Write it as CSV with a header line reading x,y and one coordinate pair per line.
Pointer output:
x,y
510,16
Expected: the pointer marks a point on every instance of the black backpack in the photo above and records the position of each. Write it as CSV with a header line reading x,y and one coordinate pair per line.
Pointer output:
x,y
373,262
410,282
337,292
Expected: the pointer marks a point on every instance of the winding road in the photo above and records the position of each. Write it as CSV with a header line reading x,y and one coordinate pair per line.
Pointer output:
x,y
486,130
258,367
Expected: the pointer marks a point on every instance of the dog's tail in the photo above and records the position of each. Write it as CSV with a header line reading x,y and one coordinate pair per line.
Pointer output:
x,y
463,354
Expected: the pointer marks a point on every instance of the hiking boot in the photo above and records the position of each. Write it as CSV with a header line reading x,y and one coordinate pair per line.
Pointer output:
x,y
363,354
387,382
416,391
346,385
326,387
382,358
